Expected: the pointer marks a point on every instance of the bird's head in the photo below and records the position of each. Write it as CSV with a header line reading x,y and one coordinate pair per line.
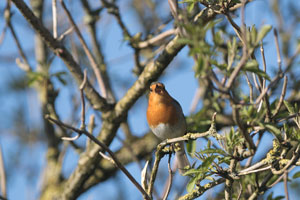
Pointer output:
x,y
158,92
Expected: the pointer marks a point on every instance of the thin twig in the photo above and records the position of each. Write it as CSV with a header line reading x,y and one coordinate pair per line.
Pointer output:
x,y
157,39
114,10
105,148
248,138
289,117
170,180
81,87
158,157
253,167
2,174
93,16
255,82
250,88
277,50
25,64
54,18
212,75
243,26
236,28
229,181
263,84
91,127
283,92
71,138
97,101
249,161
107,158
82,126
64,34
195,100
285,180
280,178
7,15
262,51
87,51
254,171
241,191
265,90
236,71
144,176
173,4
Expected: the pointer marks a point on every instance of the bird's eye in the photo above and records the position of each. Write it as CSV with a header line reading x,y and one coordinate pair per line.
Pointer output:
x,y
159,87
151,90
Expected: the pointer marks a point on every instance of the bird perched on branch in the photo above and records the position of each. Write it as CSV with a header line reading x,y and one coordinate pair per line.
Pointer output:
x,y
166,120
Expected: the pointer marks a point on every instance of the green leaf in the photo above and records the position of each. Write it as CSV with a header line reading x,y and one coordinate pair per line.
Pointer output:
x,y
296,175
211,150
59,76
194,171
63,81
232,47
253,33
270,196
225,159
274,129
218,39
212,24
252,66
210,178
185,41
191,184
263,32
191,7
279,197
289,107
33,77
207,162
59,73
208,144
191,146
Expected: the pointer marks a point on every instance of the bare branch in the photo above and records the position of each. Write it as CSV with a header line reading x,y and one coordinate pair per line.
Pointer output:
x,y
157,39
144,176
285,178
265,90
54,18
170,180
57,47
71,138
2,175
89,54
81,87
200,190
158,157
105,148
283,92
277,50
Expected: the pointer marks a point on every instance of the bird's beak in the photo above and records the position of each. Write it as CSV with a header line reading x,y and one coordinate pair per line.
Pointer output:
x,y
157,90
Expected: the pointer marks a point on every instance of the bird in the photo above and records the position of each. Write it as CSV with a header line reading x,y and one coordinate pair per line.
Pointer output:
x,y
166,120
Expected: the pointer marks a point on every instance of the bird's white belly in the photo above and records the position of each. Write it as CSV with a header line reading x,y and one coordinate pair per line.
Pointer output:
x,y
167,131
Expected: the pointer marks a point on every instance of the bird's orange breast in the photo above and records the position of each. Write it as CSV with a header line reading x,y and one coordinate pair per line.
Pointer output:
x,y
161,112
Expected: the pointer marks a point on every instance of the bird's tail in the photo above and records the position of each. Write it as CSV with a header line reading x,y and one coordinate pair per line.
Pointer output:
x,y
182,161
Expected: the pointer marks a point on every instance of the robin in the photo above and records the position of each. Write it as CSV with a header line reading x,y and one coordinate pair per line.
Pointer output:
x,y
166,120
